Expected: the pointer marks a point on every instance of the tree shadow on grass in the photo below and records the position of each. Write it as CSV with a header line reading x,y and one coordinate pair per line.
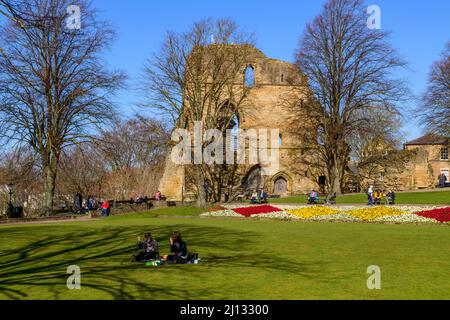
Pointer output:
x,y
104,258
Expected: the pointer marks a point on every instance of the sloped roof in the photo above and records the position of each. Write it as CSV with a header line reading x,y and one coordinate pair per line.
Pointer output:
x,y
429,139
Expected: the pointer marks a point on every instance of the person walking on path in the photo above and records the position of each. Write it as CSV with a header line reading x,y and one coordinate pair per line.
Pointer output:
x,y
105,208
370,196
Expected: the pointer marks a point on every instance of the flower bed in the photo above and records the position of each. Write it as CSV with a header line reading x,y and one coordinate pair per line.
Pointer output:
x,y
249,211
406,218
281,215
335,217
369,214
310,212
221,213
441,215
380,214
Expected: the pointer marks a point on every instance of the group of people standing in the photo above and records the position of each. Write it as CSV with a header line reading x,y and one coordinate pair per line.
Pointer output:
x,y
90,204
81,205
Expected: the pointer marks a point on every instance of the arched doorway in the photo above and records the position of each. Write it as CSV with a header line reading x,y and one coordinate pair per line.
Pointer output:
x,y
280,186
254,180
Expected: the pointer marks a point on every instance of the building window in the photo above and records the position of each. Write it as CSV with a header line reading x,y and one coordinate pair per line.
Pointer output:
x,y
249,77
282,78
280,140
444,154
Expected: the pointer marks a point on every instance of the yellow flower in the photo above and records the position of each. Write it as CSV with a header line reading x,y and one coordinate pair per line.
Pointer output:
x,y
368,214
310,212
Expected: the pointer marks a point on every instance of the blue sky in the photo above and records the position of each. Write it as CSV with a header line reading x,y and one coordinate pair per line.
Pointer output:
x,y
419,32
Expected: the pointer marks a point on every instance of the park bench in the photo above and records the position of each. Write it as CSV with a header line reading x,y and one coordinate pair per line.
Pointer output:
x,y
323,199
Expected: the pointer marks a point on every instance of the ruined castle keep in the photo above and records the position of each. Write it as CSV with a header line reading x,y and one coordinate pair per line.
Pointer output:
x,y
272,94
273,87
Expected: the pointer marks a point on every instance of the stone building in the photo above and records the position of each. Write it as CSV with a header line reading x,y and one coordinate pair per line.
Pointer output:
x,y
274,85
431,160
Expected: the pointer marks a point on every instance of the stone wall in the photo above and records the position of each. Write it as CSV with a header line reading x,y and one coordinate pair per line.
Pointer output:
x,y
268,105
426,167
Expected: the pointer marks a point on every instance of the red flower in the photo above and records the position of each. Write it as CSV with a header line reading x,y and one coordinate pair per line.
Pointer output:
x,y
247,212
441,215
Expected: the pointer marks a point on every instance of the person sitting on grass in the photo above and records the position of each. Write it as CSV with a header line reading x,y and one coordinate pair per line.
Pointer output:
x,y
178,249
149,247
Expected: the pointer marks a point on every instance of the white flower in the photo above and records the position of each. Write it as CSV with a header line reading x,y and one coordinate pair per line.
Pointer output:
x,y
413,209
222,213
281,215
289,206
335,217
406,218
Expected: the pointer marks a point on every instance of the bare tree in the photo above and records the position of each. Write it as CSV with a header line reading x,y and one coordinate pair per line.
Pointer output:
x,y
350,71
435,111
133,152
199,76
11,10
54,87
82,170
376,150
134,143
20,167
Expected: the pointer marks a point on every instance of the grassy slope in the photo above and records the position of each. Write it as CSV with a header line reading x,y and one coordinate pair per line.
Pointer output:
x,y
242,259
435,198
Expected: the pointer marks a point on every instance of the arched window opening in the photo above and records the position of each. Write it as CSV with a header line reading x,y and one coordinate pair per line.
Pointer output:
x,y
249,77
280,140
254,180
234,127
282,78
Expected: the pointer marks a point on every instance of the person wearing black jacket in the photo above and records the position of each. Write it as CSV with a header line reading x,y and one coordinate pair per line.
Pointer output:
x,y
178,249
149,249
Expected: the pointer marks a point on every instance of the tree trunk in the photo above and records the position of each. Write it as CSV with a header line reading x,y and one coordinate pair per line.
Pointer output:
x,y
200,182
336,178
49,171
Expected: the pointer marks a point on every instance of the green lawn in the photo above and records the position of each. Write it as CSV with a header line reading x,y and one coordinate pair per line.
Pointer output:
x,y
241,259
436,198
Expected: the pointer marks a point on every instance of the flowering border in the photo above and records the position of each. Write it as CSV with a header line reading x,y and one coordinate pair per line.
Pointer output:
x,y
382,214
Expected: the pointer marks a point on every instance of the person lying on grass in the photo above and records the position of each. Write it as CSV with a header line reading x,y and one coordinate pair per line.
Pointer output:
x,y
178,249
149,249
